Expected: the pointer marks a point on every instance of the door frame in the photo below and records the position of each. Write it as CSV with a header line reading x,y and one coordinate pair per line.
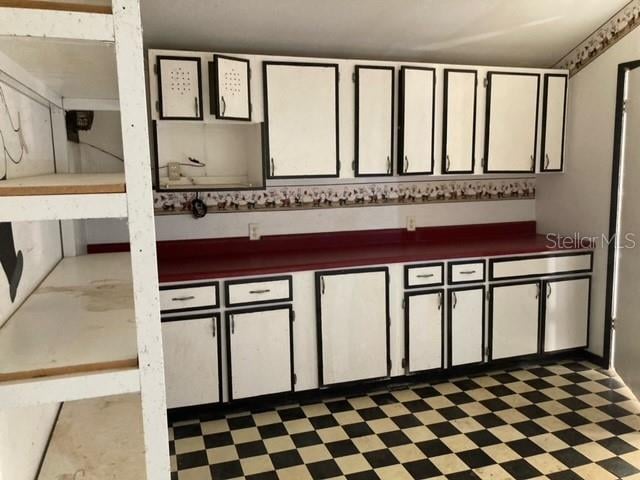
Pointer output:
x,y
614,209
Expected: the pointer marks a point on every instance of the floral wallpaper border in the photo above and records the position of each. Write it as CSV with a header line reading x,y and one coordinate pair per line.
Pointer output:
x,y
604,37
348,195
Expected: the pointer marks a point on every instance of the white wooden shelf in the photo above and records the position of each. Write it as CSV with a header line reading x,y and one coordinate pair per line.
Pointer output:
x,y
79,321
101,438
63,197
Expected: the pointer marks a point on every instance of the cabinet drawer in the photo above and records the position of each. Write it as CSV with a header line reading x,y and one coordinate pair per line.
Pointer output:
x,y
540,265
466,271
427,274
258,290
183,298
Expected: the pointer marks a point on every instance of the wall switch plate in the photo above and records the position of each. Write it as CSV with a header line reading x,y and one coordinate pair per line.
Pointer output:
x,y
173,170
411,223
254,231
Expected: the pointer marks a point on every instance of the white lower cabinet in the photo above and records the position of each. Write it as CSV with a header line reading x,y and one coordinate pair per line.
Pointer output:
x,y
353,316
514,315
566,313
466,325
259,351
192,360
424,319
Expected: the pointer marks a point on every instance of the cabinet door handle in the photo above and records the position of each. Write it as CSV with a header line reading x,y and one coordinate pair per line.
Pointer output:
x,y
425,275
197,105
213,327
548,290
224,105
537,290
273,167
533,163
406,164
262,290
233,325
467,272
448,163
322,284
183,299
455,299
388,164
439,300
546,161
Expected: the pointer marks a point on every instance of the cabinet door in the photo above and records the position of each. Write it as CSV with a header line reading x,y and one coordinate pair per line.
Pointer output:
x,y
511,122
231,98
191,360
179,88
301,105
260,351
416,124
459,123
466,326
553,122
514,320
566,313
424,318
353,325
374,120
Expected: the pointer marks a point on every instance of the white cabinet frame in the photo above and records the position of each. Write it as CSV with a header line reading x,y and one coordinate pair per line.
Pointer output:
x,y
547,110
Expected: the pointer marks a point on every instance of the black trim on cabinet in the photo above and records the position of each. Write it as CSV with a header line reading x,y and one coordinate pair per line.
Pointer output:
x,y
193,285
356,157
492,287
216,317
543,313
214,95
242,281
161,115
401,120
487,123
451,264
543,134
407,349
318,280
493,261
450,307
265,90
408,268
227,317
444,169
614,207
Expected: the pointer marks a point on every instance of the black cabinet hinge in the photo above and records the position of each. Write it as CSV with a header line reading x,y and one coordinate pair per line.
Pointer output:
x,y
404,363
155,68
157,106
293,315
295,379
486,82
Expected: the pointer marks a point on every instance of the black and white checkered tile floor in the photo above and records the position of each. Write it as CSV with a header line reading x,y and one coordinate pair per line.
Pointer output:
x,y
557,421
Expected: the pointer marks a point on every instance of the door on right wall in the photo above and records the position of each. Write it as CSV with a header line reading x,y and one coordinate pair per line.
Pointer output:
x,y
511,122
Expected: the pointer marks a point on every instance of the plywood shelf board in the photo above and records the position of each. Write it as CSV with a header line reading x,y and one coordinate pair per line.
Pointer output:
x,y
97,439
80,319
60,6
64,184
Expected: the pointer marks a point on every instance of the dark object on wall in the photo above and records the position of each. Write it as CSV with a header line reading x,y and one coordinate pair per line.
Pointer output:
x,y
12,261
77,120
198,208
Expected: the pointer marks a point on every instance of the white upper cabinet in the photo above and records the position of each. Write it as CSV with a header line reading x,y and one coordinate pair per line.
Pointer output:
x,y
229,88
301,113
511,123
416,120
179,88
459,121
373,120
553,122
353,325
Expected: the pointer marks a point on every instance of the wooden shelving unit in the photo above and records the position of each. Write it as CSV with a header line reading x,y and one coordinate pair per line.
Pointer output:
x,y
91,329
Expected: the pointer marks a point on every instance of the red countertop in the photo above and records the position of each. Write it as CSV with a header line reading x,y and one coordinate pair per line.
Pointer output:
x,y
185,260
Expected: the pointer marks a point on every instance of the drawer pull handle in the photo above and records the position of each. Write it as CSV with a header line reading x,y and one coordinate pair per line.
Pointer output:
x,y
467,272
183,299
425,275
262,290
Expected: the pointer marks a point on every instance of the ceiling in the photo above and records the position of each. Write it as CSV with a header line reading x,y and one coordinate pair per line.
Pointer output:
x,y
534,33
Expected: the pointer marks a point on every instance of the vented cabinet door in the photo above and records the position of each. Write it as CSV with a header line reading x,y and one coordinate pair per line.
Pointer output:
x,y
231,88
179,88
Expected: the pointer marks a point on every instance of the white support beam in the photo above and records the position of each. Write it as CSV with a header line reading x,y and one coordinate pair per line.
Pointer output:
x,y
135,143
91,104
63,207
40,391
26,22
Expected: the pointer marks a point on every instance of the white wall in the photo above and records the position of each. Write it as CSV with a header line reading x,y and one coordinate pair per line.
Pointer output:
x,y
578,200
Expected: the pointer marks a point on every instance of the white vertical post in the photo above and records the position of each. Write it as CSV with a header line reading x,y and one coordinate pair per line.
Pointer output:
x,y
135,143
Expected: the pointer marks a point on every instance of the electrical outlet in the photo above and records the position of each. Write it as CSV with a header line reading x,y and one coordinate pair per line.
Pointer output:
x,y
173,171
254,231
411,223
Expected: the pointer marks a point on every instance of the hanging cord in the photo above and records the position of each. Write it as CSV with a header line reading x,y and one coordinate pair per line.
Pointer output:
x,y
16,129
101,150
